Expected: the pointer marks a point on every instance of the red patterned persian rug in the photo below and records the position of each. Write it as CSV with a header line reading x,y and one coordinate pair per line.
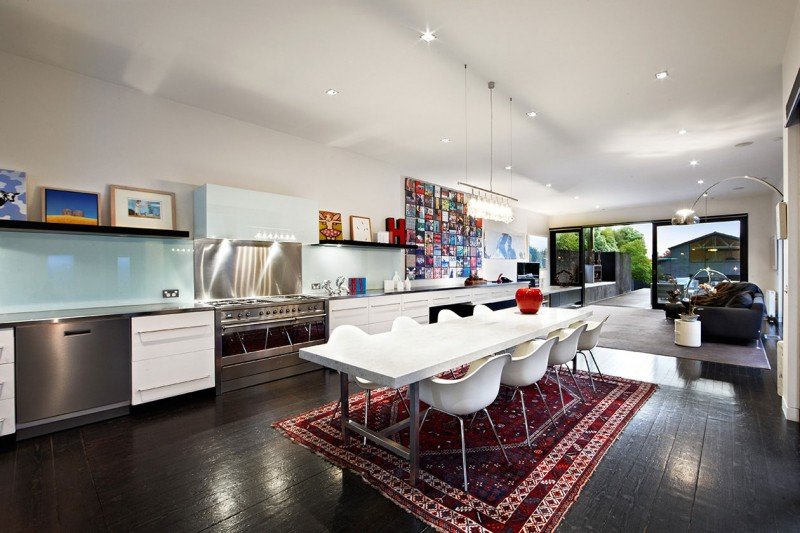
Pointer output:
x,y
531,494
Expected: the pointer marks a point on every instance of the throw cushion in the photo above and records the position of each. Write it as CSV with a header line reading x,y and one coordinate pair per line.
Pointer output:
x,y
743,300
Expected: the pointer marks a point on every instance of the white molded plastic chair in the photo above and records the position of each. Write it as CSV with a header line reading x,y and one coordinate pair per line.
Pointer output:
x,y
347,334
403,323
446,315
460,397
564,351
481,310
527,366
588,342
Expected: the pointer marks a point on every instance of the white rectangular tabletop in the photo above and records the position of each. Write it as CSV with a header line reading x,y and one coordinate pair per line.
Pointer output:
x,y
399,358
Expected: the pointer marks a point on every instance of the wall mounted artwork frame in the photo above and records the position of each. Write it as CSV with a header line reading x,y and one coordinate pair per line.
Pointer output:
x,y
360,228
449,241
13,195
505,244
330,226
68,206
132,207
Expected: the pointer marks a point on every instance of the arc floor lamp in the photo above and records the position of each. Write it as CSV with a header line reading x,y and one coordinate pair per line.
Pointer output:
x,y
684,217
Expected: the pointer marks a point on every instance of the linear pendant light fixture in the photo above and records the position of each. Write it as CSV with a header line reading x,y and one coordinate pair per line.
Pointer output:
x,y
486,203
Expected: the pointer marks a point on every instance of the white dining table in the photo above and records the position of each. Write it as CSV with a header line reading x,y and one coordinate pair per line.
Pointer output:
x,y
399,358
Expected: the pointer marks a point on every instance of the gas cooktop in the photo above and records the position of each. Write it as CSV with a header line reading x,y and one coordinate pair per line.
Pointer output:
x,y
261,300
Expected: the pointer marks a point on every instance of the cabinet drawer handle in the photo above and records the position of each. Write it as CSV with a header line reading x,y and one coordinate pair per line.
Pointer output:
x,y
385,305
181,328
176,383
76,332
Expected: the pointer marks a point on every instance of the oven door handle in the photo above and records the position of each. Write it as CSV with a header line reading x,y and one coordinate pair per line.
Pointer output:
x,y
254,325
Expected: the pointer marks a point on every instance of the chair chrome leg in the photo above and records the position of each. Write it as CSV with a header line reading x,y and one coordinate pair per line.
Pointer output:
x,y
524,417
576,384
405,403
588,369
335,409
491,423
424,416
561,394
474,416
595,364
463,452
544,401
514,394
367,393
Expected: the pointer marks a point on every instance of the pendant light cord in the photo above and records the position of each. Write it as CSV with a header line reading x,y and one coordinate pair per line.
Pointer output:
x,y
491,135
511,145
466,139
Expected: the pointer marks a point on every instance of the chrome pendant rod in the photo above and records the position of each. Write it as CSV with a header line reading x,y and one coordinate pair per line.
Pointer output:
x,y
487,191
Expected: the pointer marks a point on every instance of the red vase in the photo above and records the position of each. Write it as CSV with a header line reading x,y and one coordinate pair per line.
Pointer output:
x,y
529,300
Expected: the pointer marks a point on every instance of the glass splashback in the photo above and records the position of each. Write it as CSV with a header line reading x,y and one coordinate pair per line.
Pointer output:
x,y
41,271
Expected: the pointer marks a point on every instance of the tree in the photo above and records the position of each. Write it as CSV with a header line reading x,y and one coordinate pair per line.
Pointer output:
x,y
631,242
567,242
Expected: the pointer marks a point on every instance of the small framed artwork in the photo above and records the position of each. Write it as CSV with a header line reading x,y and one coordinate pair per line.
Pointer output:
x,y
142,208
13,198
360,229
330,226
65,206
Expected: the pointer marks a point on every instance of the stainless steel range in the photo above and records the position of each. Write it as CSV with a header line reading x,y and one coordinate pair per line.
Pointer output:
x,y
261,324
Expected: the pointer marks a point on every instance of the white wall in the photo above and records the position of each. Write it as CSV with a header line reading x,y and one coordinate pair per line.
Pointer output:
x,y
791,189
761,227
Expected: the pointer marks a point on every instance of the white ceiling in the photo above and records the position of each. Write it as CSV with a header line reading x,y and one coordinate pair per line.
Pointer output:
x,y
606,130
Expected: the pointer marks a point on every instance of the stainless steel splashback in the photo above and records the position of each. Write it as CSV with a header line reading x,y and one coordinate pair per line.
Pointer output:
x,y
240,269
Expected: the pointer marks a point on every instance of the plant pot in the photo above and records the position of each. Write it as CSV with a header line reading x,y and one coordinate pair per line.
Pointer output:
x,y
529,300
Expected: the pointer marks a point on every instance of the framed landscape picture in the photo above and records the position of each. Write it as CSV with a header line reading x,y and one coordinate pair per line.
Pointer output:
x,y
142,208
64,206
13,198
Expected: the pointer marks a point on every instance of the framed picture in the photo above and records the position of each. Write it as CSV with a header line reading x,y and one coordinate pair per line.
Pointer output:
x,y
505,245
142,208
360,229
13,196
330,226
64,206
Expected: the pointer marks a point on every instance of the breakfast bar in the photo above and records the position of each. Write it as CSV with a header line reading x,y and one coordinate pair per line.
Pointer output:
x,y
400,358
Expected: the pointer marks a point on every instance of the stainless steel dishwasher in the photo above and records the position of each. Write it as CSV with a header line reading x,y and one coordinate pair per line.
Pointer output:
x,y
71,373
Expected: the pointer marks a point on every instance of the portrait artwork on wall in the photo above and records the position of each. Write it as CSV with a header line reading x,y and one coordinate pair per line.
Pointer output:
x,y
505,245
330,226
142,208
64,206
13,197
450,242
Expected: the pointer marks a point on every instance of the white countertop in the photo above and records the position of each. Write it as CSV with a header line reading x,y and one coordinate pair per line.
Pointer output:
x,y
399,358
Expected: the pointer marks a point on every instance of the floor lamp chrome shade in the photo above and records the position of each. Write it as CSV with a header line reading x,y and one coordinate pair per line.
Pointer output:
x,y
685,217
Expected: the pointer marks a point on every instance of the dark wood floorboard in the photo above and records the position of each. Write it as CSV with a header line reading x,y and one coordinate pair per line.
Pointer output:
x,y
710,451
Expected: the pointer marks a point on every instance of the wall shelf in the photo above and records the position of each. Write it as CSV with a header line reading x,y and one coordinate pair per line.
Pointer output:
x,y
373,245
76,229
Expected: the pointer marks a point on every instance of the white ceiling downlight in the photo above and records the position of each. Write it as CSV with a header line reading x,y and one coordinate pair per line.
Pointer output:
x,y
662,75
446,140
548,185
331,92
700,182
694,162
428,36
682,132
531,114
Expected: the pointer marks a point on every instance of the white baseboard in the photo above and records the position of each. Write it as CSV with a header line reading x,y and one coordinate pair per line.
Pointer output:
x,y
791,413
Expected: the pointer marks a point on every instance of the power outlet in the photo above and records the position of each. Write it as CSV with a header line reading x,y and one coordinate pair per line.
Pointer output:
x,y
316,286
170,293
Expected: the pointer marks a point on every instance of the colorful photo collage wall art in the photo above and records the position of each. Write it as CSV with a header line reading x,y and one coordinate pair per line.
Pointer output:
x,y
449,241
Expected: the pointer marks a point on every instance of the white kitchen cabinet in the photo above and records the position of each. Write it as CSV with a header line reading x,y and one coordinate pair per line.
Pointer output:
x,y
6,346
171,354
7,389
352,311
416,306
384,308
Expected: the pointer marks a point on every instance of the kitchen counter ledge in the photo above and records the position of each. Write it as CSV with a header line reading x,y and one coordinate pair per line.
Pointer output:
x,y
381,292
31,317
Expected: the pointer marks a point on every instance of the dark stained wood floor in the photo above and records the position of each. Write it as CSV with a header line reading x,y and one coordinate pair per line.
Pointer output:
x,y
710,451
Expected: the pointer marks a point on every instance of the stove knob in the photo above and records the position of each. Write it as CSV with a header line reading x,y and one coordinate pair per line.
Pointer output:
x,y
294,310
281,311
310,307
247,314
239,315
261,313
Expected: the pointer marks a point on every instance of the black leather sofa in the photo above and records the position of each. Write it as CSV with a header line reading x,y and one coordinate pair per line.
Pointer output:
x,y
734,321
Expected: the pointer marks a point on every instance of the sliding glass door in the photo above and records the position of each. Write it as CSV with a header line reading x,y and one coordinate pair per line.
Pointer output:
x,y
687,257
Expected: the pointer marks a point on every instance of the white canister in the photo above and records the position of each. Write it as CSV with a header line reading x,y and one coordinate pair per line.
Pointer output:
x,y
388,285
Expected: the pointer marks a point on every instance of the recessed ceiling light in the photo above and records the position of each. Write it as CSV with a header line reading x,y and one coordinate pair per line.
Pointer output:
x,y
700,182
447,140
597,207
508,167
577,197
548,185
331,92
705,194
531,113
694,162
662,75
743,144
428,36
682,132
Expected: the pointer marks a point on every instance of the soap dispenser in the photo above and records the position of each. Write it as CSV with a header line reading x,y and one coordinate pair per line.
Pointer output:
x,y
407,283
398,283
